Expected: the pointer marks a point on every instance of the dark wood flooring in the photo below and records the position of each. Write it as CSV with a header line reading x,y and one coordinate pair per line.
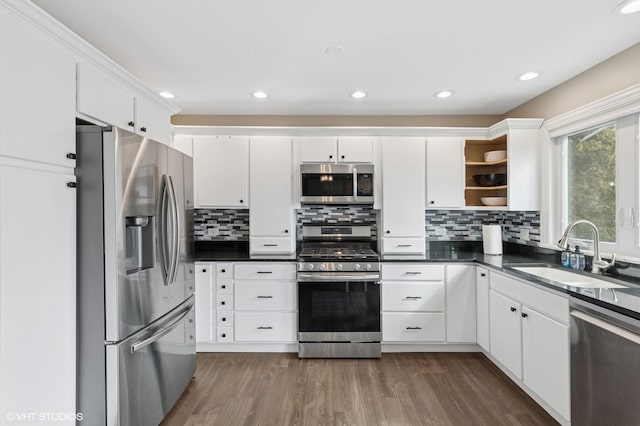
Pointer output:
x,y
399,389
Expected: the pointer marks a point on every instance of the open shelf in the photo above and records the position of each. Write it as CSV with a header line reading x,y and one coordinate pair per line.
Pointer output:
x,y
486,188
482,163
475,165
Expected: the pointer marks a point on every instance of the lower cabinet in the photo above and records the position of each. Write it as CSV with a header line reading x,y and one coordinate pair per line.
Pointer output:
x,y
482,308
461,303
265,327
413,327
529,336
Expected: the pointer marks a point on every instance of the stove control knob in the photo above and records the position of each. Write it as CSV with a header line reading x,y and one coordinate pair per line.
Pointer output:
x,y
367,266
357,266
323,267
310,266
339,266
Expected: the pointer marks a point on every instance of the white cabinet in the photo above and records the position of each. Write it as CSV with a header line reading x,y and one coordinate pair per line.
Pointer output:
x,y
461,304
415,327
102,98
221,171
445,172
271,217
37,96
265,295
205,278
329,149
506,333
38,291
412,296
403,194
183,143
265,327
482,308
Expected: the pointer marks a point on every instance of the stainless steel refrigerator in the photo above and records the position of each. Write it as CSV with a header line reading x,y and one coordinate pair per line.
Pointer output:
x,y
135,295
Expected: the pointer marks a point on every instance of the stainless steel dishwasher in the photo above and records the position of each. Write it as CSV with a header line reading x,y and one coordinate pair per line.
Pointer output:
x,y
605,366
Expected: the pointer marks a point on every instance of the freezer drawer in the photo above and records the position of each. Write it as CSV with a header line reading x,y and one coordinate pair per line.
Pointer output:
x,y
147,373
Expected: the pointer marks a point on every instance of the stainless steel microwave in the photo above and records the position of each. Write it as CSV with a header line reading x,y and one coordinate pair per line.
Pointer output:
x,y
336,183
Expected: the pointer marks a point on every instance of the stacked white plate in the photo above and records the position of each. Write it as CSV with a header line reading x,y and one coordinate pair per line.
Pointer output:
x,y
493,156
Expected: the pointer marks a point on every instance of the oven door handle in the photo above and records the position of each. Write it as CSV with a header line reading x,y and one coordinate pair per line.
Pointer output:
x,y
302,277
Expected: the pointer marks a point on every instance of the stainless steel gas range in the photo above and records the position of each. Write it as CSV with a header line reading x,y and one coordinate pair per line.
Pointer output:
x,y
338,293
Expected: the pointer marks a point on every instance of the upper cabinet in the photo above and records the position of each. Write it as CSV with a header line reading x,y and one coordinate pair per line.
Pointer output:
x,y
329,149
221,171
105,100
37,96
445,172
504,170
271,217
403,192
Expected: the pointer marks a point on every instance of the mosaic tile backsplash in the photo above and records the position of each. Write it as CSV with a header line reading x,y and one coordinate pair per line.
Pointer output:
x,y
220,224
336,214
466,225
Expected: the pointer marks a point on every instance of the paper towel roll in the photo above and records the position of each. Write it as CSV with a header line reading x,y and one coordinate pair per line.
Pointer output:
x,y
492,239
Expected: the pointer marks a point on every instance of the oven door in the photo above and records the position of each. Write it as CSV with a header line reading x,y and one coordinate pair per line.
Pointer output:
x,y
338,308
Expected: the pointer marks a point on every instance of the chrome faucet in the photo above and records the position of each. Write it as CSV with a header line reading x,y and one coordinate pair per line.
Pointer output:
x,y
598,265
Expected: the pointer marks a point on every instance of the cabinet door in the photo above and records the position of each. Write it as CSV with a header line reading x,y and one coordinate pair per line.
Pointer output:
x,y
37,96
184,144
271,187
38,288
523,169
205,318
445,172
221,171
355,149
461,303
318,149
152,120
545,354
104,99
403,190
506,334
482,308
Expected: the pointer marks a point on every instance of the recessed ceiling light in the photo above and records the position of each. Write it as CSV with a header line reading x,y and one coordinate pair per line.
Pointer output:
x,y
443,94
259,94
358,94
167,95
334,50
529,75
628,7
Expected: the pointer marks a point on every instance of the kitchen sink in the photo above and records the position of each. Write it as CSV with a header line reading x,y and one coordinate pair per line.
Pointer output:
x,y
566,277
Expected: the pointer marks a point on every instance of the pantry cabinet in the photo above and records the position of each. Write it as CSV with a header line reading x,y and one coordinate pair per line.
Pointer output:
x,y
221,171
403,195
445,172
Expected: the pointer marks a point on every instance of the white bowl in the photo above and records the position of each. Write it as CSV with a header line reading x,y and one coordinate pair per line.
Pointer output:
x,y
494,201
491,156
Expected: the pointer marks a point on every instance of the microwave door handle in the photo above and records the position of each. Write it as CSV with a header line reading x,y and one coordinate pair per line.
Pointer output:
x,y
162,230
355,184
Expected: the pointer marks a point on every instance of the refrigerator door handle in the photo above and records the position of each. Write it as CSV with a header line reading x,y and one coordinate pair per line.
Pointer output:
x,y
175,233
163,331
164,247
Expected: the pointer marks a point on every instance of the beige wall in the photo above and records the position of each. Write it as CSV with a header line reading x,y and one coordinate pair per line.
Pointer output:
x,y
337,120
616,73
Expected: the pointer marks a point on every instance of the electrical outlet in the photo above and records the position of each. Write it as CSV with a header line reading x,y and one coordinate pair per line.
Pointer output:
x,y
524,234
213,232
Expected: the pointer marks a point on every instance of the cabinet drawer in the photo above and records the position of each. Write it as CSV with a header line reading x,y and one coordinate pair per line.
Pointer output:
x,y
277,245
412,271
414,296
224,302
224,334
224,270
225,319
411,327
265,271
265,327
403,245
224,286
265,295
542,301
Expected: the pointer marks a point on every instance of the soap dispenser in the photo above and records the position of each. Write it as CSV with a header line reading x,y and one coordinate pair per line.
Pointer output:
x,y
565,259
580,260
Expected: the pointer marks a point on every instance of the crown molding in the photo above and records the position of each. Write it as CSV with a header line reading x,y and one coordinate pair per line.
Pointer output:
x,y
40,21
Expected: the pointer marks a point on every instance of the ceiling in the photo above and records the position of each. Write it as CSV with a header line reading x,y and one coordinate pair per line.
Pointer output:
x,y
212,54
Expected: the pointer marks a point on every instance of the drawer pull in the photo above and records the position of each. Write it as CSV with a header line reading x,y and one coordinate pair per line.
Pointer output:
x,y
264,272
270,245
414,328
265,328
404,245
265,297
413,297
413,273
524,315
513,309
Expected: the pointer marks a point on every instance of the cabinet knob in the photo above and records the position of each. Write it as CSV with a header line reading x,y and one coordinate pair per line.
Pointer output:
x,y
143,129
524,315
224,335
330,157
387,232
204,270
224,303
512,308
482,274
131,124
241,201
286,231
71,155
432,202
223,319
72,185
224,286
223,270
342,156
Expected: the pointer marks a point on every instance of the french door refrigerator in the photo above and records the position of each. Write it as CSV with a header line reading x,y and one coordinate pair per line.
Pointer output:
x,y
135,309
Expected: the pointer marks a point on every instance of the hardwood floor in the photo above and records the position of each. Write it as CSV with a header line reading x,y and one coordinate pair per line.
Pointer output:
x,y
399,389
